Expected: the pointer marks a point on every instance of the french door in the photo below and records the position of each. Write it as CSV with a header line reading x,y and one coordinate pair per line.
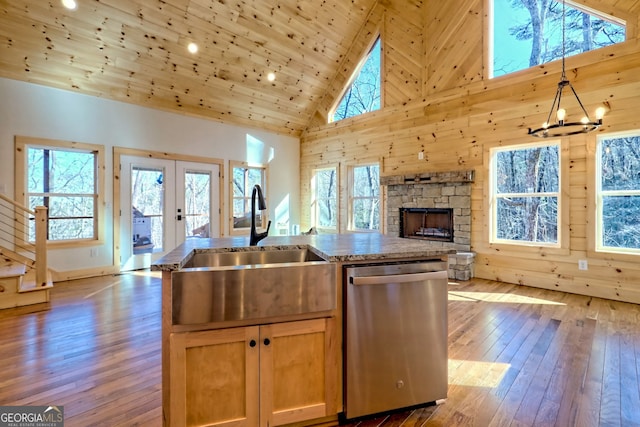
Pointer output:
x,y
165,202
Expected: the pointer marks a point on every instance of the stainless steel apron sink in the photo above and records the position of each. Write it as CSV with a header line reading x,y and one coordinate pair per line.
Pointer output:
x,y
218,287
255,257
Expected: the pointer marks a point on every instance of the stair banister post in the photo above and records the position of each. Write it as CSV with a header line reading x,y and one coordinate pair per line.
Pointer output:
x,y
41,245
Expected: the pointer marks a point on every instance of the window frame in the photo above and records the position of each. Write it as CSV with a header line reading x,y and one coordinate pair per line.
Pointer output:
x,y
351,198
596,249
561,247
315,215
22,145
622,18
241,231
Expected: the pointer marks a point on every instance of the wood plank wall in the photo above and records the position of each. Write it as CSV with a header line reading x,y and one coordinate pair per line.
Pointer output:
x,y
464,63
402,53
462,114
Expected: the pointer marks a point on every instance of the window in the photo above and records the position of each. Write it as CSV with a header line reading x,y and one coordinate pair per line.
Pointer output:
x,y
65,178
618,193
521,42
243,180
324,187
364,198
525,193
363,94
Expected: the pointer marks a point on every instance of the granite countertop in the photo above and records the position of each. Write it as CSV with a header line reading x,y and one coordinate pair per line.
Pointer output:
x,y
331,247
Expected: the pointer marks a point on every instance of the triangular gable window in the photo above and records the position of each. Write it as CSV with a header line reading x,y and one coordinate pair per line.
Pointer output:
x,y
521,42
363,95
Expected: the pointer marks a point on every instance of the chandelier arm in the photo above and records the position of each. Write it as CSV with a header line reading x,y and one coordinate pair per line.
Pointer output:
x,y
561,86
579,102
556,100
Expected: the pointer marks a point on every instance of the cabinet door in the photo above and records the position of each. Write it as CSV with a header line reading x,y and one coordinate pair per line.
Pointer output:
x,y
298,373
214,378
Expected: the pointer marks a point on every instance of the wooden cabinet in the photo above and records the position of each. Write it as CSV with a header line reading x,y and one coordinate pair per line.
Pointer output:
x,y
251,376
214,378
298,371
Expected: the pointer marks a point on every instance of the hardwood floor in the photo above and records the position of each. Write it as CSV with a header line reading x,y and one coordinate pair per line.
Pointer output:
x,y
518,356
96,352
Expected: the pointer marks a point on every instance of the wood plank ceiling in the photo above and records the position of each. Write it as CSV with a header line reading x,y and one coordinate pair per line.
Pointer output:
x,y
136,51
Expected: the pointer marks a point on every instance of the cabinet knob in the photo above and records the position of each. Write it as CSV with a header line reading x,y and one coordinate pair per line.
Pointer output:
x,y
267,341
252,343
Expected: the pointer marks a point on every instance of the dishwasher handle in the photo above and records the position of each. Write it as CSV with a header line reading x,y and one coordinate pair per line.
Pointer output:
x,y
398,278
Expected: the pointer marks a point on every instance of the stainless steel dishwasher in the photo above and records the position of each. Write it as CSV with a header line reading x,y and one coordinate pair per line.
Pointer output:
x,y
395,335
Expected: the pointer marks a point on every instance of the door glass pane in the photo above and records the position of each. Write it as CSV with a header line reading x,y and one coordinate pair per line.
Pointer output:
x,y
197,204
147,204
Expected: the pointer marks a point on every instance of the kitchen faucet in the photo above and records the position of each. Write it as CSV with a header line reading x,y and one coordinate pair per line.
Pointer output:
x,y
255,237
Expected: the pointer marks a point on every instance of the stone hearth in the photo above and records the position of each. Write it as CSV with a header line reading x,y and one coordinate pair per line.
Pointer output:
x,y
436,190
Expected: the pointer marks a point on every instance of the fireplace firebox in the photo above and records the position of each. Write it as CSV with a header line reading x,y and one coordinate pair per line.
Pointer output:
x,y
427,223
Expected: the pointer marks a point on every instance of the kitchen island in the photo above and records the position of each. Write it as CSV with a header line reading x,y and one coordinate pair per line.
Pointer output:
x,y
332,247
281,369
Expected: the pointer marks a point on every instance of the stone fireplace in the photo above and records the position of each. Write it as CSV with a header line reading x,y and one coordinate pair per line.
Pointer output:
x,y
418,206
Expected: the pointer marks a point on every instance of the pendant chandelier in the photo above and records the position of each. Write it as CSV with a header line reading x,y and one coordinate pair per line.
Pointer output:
x,y
561,127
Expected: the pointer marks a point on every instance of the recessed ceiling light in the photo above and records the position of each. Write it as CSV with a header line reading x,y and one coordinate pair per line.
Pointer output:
x,y
69,4
271,76
193,48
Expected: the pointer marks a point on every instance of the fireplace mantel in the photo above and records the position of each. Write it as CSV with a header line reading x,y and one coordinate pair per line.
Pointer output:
x,y
429,178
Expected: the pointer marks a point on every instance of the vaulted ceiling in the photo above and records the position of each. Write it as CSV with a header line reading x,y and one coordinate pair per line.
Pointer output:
x,y
136,51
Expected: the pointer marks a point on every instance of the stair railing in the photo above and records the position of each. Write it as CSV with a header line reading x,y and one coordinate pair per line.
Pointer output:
x,y
14,229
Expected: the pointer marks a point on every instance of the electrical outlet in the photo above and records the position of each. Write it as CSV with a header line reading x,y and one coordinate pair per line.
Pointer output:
x,y
420,155
582,264
94,252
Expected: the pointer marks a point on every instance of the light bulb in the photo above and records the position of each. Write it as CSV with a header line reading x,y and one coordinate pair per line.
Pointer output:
x,y
584,120
192,47
69,4
600,113
271,76
545,125
562,113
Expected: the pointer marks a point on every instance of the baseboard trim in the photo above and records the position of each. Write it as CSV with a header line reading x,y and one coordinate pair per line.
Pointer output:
x,y
61,276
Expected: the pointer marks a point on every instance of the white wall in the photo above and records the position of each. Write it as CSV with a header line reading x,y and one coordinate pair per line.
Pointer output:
x,y
37,111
